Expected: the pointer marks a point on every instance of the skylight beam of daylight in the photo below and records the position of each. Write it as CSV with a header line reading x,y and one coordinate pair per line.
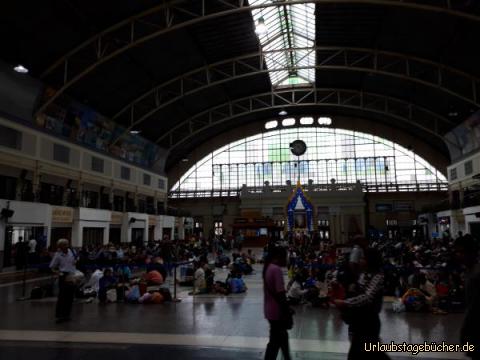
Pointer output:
x,y
288,41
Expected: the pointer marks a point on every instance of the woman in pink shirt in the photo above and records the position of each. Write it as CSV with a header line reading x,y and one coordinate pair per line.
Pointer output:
x,y
276,308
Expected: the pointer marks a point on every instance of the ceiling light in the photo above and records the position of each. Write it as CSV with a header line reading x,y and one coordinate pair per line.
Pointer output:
x,y
261,28
135,132
184,160
453,113
20,69
283,112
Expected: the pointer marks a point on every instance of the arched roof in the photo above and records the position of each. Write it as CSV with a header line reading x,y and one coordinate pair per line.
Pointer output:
x,y
183,71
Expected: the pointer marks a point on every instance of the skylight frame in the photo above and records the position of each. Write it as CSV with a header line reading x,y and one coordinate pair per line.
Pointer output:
x,y
289,42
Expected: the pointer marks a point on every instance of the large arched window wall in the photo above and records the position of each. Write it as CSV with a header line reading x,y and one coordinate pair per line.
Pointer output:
x,y
333,155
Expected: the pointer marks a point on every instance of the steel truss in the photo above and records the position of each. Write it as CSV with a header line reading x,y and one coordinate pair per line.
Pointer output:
x,y
438,76
395,109
176,14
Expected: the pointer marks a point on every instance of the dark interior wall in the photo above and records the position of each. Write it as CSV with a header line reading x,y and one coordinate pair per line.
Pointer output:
x,y
18,93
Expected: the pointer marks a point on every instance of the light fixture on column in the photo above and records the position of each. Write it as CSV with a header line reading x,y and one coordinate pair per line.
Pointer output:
x,y
260,28
21,69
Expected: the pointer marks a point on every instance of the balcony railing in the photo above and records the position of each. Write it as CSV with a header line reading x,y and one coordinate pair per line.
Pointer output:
x,y
400,187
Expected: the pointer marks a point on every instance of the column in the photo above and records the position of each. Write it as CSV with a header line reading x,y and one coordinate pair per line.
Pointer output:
x,y
36,183
80,197
155,203
111,196
2,241
135,200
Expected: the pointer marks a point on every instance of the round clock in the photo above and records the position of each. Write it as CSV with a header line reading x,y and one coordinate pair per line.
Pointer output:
x,y
298,147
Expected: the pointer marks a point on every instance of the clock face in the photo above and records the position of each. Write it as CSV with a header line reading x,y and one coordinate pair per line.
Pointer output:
x,y
298,147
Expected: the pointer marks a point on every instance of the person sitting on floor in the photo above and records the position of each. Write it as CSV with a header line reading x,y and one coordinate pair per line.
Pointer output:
x,y
235,282
295,291
157,264
251,257
107,282
199,281
94,281
153,278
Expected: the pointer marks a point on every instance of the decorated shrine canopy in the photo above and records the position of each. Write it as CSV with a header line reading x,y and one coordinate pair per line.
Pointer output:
x,y
299,211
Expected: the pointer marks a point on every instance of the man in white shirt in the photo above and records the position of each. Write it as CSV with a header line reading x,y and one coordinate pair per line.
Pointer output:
x,y
199,282
63,263
32,245
32,250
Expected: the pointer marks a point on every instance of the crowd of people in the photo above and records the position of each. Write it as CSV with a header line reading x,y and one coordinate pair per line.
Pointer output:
x,y
418,275
437,275
138,274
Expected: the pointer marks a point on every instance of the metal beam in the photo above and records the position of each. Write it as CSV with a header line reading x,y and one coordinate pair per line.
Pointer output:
x,y
396,109
352,59
177,14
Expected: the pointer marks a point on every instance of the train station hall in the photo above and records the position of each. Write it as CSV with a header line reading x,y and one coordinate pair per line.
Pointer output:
x,y
239,179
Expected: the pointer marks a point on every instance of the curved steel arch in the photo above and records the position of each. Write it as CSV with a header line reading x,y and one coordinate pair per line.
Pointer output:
x,y
397,109
139,29
341,58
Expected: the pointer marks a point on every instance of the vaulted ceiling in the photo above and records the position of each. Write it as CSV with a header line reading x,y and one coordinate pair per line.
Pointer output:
x,y
184,71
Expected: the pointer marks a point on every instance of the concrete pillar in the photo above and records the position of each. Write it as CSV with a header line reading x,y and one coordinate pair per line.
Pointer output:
x,y
126,236
207,225
158,231
135,199
106,234
343,228
80,197
461,195
155,203
2,242
181,228
77,233
111,195
36,182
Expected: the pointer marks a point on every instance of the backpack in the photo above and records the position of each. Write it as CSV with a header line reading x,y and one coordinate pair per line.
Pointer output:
x,y
36,293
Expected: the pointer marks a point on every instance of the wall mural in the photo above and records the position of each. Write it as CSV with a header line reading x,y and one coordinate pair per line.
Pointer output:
x,y
81,124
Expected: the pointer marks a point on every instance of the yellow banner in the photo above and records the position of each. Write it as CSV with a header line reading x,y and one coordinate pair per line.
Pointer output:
x,y
116,218
61,214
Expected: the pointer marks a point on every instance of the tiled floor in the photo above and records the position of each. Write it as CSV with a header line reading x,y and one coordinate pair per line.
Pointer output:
x,y
203,327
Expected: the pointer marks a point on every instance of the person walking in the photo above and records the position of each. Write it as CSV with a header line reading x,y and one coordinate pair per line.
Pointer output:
x,y
361,312
276,308
466,253
63,263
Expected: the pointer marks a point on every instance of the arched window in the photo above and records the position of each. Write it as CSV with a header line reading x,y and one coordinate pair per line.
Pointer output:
x,y
333,155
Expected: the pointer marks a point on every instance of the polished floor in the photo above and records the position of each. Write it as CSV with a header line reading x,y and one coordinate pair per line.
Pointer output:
x,y
200,327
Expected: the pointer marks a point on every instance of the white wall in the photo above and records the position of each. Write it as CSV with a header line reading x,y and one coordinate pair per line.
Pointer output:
x,y
168,222
29,214
141,222
470,216
84,218
36,151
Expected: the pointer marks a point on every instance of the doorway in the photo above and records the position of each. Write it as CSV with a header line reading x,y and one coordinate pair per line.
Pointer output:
x,y
14,236
137,237
475,229
92,237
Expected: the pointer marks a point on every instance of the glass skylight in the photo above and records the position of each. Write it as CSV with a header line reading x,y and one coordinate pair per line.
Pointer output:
x,y
287,37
